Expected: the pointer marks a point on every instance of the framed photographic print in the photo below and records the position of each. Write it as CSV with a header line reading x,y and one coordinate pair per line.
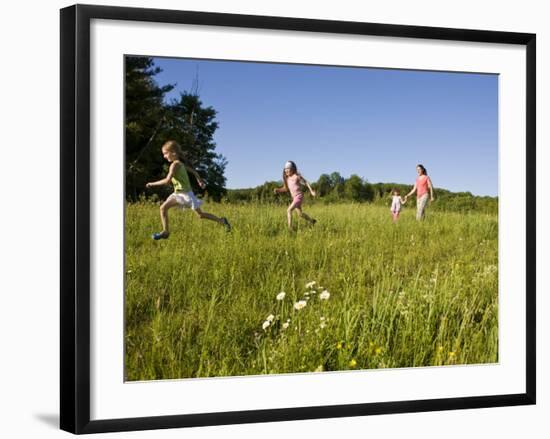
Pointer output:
x,y
272,218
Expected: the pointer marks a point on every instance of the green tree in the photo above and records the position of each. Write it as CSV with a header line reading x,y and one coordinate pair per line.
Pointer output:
x,y
150,121
337,184
354,188
368,191
144,119
323,185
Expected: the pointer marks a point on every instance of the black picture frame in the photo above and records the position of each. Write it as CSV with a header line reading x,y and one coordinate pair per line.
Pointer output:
x,y
75,217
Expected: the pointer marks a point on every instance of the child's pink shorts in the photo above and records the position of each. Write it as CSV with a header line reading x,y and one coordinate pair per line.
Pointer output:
x,y
297,201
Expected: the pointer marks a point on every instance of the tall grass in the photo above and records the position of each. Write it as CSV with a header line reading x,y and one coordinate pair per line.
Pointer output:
x,y
401,295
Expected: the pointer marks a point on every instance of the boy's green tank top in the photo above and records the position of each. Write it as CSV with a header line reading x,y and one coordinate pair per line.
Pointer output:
x,y
180,180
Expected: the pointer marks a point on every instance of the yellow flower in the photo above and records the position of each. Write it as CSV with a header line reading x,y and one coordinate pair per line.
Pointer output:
x,y
378,350
452,354
339,345
352,363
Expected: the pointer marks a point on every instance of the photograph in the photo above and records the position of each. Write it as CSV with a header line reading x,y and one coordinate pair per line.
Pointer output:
x,y
298,218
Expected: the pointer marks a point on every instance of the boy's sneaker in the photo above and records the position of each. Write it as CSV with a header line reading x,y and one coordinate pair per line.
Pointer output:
x,y
160,235
226,224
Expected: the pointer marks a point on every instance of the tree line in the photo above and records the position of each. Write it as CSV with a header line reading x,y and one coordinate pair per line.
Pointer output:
x,y
333,188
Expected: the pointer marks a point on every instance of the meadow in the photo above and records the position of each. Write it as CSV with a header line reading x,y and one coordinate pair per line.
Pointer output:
x,y
359,291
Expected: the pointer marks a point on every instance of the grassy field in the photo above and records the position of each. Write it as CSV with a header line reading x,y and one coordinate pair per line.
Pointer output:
x,y
204,302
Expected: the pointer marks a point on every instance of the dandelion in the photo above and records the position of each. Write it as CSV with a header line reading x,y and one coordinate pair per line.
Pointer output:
x,y
300,304
352,363
339,345
324,295
286,325
266,325
378,351
439,348
281,295
270,318
452,354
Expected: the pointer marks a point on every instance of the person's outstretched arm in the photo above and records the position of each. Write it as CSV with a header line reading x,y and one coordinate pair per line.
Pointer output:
x,y
311,191
201,183
165,180
413,190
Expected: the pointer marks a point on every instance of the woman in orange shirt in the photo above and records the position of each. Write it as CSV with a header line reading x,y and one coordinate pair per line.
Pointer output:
x,y
422,185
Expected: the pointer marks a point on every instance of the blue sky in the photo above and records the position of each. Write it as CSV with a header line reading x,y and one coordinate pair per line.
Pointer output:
x,y
376,123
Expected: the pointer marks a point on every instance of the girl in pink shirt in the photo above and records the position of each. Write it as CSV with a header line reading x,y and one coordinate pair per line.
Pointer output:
x,y
422,185
292,182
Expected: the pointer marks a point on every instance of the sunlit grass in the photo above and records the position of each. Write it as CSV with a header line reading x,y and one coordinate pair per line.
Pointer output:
x,y
397,295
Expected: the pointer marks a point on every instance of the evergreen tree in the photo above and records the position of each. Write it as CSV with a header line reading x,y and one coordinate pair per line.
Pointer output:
x,y
150,121
144,119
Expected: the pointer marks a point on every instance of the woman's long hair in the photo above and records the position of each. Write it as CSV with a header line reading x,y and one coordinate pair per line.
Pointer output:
x,y
423,169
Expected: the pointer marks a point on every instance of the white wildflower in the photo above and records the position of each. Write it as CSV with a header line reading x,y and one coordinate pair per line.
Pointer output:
x,y
266,325
311,284
281,295
324,295
300,304
322,325
286,325
321,318
270,318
